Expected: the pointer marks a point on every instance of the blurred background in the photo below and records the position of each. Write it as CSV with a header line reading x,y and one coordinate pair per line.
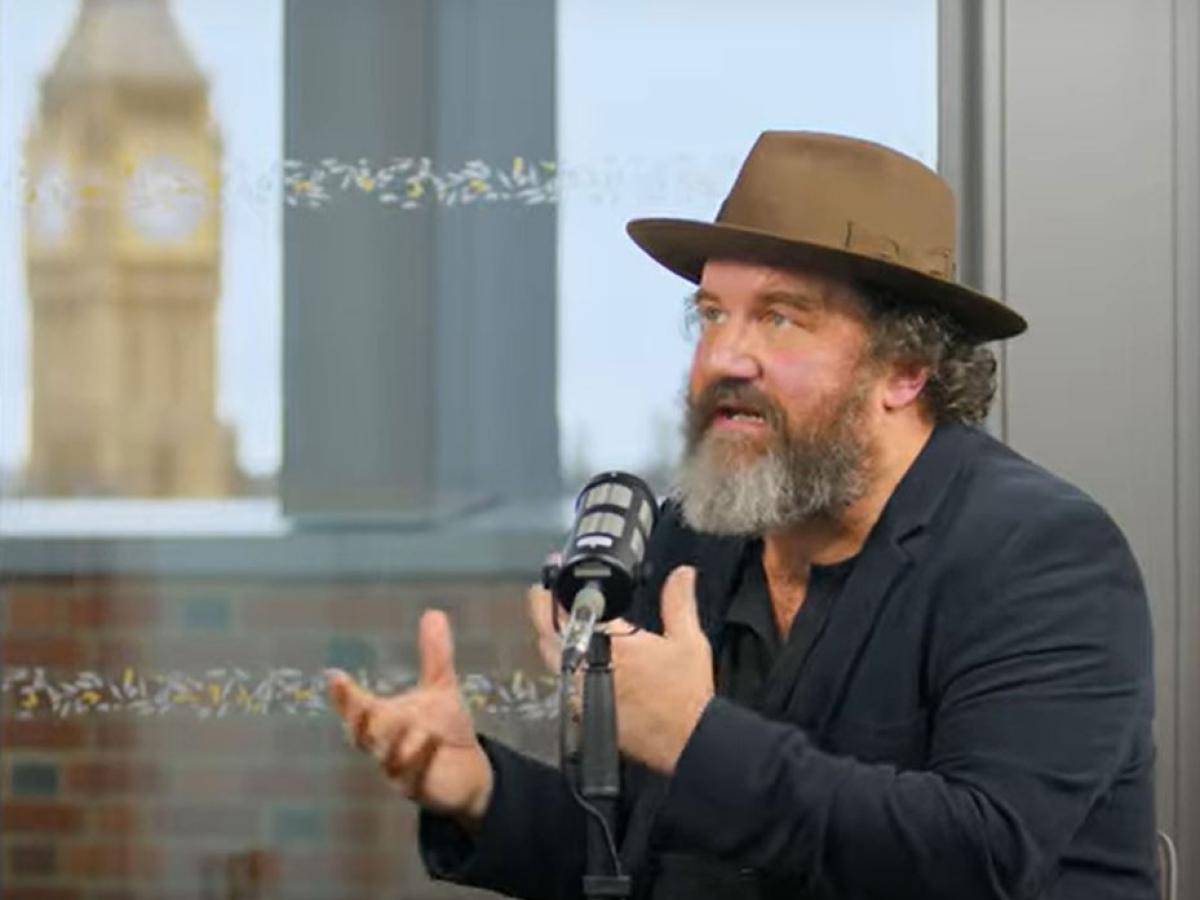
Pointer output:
x,y
315,314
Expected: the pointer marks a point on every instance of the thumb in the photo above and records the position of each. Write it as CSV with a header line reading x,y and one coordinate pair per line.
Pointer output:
x,y
435,644
679,614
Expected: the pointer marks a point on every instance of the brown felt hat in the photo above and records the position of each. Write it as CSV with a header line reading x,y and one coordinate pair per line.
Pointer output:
x,y
843,206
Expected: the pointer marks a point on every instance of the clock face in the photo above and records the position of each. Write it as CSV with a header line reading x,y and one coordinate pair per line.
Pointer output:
x,y
165,199
52,203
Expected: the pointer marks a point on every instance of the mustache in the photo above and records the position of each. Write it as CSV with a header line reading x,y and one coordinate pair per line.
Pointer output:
x,y
724,394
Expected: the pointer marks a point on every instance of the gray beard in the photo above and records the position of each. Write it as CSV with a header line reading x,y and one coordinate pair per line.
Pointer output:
x,y
797,479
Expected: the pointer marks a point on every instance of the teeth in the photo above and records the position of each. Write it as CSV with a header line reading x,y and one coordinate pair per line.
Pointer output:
x,y
745,417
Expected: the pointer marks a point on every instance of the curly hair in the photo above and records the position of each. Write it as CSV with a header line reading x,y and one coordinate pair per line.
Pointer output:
x,y
962,374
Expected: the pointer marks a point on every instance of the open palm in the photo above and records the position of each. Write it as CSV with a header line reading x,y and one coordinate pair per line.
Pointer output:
x,y
424,739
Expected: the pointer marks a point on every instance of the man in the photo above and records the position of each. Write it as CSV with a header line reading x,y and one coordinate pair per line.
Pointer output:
x,y
891,657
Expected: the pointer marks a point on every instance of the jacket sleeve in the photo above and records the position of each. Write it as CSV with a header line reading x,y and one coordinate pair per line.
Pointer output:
x,y
531,841
1043,684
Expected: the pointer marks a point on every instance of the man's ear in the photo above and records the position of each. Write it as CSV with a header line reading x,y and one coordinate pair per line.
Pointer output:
x,y
903,385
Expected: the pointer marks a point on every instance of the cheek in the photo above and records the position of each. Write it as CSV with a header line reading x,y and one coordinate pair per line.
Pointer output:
x,y
805,387
696,379
797,384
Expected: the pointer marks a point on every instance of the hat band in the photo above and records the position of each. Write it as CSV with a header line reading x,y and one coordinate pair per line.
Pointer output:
x,y
938,262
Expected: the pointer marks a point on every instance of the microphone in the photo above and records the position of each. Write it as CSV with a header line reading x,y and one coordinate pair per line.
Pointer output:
x,y
602,560
585,615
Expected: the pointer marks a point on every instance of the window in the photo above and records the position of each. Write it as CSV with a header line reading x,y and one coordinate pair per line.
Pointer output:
x,y
430,328
140,246
657,105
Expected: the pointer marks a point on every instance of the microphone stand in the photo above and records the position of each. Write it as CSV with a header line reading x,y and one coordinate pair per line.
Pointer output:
x,y
600,773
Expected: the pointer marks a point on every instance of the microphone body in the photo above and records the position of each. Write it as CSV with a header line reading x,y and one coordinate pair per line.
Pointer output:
x,y
601,567
602,561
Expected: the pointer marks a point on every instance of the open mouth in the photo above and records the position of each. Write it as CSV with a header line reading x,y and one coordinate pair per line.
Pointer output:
x,y
734,409
729,414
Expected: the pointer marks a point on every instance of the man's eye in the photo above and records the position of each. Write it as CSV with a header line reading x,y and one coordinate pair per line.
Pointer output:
x,y
701,317
777,319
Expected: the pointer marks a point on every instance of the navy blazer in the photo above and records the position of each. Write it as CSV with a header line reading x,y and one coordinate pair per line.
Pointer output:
x,y
973,721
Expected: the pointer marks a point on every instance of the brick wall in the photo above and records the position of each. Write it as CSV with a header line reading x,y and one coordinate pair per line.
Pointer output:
x,y
118,782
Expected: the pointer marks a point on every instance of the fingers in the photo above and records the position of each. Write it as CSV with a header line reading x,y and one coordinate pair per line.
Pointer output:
x,y
436,647
393,731
342,690
679,614
404,732
352,704
371,722
386,727
408,761
541,608
540,604
544,614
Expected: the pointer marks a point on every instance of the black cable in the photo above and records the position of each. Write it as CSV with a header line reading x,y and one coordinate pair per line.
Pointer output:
x,y
564,685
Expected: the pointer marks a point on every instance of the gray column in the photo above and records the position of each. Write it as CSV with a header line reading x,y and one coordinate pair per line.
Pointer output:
x,y
496,271
419,345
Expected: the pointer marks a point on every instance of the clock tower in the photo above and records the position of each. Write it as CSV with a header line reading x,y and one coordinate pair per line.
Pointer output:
x,y
122,239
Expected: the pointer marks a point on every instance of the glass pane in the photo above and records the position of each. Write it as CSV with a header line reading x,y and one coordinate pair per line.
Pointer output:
x,y
659,129
140,240
427,328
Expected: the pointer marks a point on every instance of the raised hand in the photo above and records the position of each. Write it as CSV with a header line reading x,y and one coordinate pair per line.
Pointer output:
x,y
424,739
662,682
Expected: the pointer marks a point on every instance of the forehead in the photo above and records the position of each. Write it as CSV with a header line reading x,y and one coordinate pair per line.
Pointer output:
x,y
733,279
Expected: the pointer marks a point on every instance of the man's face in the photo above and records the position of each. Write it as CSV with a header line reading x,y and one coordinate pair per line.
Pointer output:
x,y
778,403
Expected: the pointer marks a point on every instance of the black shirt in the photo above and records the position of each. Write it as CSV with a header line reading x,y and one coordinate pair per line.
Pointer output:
x,y
753,661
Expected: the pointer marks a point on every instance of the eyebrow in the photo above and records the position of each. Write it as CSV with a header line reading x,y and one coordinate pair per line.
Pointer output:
x,y
791,298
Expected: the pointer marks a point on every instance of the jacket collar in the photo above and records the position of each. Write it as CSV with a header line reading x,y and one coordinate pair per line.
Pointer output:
x,y
923,487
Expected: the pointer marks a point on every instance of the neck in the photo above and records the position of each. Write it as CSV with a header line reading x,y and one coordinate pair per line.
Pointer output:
x,y
788,553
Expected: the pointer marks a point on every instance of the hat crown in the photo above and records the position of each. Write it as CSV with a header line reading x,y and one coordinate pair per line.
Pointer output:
x,y
846,194
844,207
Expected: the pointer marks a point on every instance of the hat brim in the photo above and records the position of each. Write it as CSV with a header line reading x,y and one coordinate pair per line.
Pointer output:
x,y
683,246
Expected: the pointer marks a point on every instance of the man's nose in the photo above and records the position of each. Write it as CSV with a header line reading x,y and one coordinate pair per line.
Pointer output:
x,y
732,354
